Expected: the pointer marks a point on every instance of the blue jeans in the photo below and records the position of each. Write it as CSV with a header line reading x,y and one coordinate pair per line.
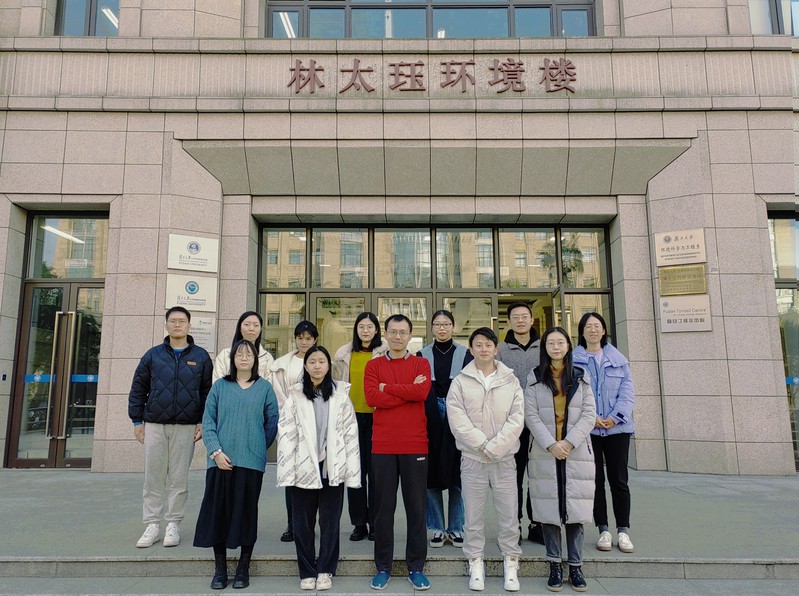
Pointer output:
x,y
435,509
574,543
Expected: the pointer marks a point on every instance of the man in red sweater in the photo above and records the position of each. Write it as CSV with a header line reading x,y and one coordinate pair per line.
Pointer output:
x,y
396,385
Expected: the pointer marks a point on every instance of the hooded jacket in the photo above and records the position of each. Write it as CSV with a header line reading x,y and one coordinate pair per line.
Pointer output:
x,y
613,389
297,449
169,390
486,420
574,502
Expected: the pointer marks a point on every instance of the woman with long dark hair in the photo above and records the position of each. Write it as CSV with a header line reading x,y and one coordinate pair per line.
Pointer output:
x,y
250,327
612,384
447,358
349,364
560,412
317,457
239,424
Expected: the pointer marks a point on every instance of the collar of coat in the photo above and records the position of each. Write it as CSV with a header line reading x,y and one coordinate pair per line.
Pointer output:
x,y
504,373
189,339
578,376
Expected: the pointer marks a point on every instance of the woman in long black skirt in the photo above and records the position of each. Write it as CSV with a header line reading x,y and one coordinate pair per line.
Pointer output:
x,y
239,424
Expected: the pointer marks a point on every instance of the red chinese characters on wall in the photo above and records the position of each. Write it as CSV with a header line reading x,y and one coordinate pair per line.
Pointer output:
x,y
504,75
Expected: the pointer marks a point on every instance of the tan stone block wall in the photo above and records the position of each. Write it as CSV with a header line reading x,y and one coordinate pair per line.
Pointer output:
x,y
682,17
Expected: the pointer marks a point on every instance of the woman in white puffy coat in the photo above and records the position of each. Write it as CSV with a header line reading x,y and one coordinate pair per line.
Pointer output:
x,y
560,413
249,327
317,456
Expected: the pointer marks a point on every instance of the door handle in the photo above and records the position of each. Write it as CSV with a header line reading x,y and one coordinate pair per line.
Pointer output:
x,y
68,372
47,413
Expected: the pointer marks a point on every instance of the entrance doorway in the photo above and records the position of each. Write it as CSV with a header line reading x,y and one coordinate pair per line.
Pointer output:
x,y
57,364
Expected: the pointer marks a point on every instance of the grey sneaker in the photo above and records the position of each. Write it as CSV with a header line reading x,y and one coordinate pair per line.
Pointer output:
x,y
150,536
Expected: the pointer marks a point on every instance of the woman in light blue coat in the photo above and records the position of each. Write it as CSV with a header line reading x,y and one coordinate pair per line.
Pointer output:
x,y
612,384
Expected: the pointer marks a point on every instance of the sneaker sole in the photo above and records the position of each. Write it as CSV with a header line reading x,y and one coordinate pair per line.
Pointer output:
x,y
626,550
383,587
555,588
145,544
604,548
420,588
513,589
436,544
477,588
170,543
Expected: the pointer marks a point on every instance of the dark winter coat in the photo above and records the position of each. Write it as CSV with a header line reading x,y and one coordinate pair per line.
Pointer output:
x,y
166,390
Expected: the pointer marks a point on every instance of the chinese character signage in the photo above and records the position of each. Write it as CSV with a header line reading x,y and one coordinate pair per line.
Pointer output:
x,y
682,279
307,76
685,313
203,330
193,253
192,292
683,247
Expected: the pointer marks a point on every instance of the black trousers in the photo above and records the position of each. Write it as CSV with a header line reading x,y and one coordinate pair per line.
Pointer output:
x,y
361,501
612,452
388,470
521,469
328,501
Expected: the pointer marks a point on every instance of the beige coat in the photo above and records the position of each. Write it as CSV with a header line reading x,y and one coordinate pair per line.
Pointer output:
x,y
222,364
492,417
297,448
341,360
280,377
539,412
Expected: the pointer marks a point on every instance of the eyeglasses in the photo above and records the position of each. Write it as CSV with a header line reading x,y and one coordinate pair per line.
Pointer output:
x,y
442,325
178,321
520,317
556,344
396,333
593,327
244,356
366,327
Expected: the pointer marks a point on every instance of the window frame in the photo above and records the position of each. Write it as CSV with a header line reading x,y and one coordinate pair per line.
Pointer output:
x,y
90,21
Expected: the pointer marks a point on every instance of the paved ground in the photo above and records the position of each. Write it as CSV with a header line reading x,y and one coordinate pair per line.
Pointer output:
x,y
713,525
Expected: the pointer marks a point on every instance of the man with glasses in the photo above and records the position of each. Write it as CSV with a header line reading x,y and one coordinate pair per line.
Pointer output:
x,y
521,352
397,385
166,405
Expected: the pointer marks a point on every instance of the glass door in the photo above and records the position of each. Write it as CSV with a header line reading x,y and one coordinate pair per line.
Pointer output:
x,y
417,307
335,316
470,312
56,375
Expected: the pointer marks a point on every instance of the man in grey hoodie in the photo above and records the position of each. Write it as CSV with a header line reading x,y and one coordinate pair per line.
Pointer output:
x,y
521,352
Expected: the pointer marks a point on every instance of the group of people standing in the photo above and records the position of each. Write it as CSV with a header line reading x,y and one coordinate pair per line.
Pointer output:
x,y
375,419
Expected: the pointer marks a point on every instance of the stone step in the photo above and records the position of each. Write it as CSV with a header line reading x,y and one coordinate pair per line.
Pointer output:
x,y
442,566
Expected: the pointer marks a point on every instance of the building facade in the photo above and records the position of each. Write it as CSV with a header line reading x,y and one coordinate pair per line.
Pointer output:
x,y
635,158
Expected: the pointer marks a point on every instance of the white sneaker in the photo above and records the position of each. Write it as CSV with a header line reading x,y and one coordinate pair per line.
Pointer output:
x,y
625,544
150,536
477,575
511,566
172,534
309,583
605,542
324,581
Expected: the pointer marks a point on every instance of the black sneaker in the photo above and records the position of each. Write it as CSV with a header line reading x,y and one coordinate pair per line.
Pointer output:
x,y
372,534
535,533
555,583
359,533
287,536
577,580
438,540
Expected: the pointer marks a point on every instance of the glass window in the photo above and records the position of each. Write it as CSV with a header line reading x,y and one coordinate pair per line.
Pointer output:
x,y
340,258
576,305
784,234
537,246
326,23
574,23
376,23
456,254
760,16
68,247
278,335
283,243
794,20
533,22
296,257
450,23
88,17
579,272
402,258
520,260
285,24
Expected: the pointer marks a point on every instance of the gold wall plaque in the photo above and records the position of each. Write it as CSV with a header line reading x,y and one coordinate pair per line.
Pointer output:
x,y
682,279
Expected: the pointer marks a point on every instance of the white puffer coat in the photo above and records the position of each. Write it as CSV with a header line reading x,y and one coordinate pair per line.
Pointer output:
x,y
539,410
297,448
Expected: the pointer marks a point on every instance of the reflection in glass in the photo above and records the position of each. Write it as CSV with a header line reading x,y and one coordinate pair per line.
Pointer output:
x,y
280,249
67,247
285,24
760,17
281,314
576,305
106,19
540,304
533,22
575,23
74,17
85,368
33,444
377,23
794,20
788,311
452,23
584,258
340,258
465,259
784,233
335,319
527,258
413,308
326,23
470,314
402,258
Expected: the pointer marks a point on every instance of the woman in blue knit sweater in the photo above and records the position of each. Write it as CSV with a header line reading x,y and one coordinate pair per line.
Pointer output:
x,y
239,425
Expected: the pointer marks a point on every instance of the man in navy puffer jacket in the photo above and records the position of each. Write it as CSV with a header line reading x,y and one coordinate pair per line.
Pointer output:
x,y
166,404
